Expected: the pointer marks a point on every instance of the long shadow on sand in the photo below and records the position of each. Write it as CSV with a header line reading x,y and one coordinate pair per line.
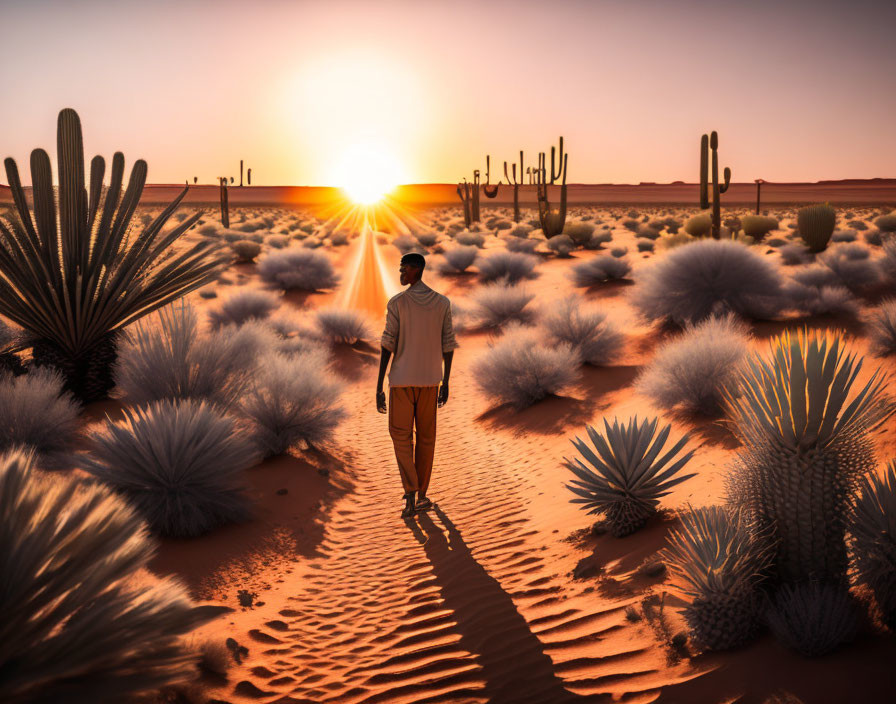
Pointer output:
x,y
514,664
550,416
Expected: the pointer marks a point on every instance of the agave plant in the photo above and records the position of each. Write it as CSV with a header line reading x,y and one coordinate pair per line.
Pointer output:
x,y
75,627
628,476
874,541
721,563
805,446
75,273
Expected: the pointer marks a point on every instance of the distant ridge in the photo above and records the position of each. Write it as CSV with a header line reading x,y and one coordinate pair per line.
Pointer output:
x,y
845,192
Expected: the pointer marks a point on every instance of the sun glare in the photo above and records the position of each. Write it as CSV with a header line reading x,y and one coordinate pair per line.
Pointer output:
x,y
366,172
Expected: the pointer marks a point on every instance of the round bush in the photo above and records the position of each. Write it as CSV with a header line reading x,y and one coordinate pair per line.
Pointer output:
x,y
36,414
698,226
693,372
298,268
501,303
242,307
520,370
587,331
694,281
180,464
80,622
509,266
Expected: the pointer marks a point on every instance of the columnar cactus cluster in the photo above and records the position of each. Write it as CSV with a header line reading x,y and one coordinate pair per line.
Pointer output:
x,y
552,221
516,182
707,143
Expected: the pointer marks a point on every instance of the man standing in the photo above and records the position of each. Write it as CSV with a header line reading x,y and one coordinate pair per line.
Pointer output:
x,y
420,334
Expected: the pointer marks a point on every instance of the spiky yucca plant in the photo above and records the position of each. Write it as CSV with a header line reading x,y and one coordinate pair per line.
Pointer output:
x,y
805,446
76,273
721,563
812,617
873,532
75,628
628,476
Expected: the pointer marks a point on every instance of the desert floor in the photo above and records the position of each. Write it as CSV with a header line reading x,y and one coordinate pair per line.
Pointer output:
x,y
502,593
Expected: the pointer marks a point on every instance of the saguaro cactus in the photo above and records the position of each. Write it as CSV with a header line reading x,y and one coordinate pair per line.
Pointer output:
x,y
707,143
241,173
552,221
225,206
463,192
516,182
249,177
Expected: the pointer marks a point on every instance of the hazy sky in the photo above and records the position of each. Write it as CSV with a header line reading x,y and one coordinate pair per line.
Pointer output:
x,y
796,90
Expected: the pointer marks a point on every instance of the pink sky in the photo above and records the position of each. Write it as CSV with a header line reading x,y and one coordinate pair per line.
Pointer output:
x,y
797,90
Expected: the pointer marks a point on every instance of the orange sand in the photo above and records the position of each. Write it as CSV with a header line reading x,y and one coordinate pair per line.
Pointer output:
x,y
502,594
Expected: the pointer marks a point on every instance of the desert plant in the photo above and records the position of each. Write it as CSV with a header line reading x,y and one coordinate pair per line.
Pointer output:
x,y
596,340
821,299
883,328
179,463
579,232
298,268
887,262
813,618
852,265
10,342
37,414
509,266
242,307
245,250
523,246
599,270
627,478
805,445
757,226
293,400
470,239
711,143
552,221
692,282
73,285
692,372
598,240
344,327
844,236
698,225
644,245
520,370
793,253
721,563
76,626
816,225
167,357
497,304
562,245
886,223
456,260
277,241
873,541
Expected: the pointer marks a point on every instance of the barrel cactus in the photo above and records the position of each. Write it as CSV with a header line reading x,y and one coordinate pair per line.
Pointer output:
x,y
758,226
816,225
628,476
805,447
874,541
721,563
813,618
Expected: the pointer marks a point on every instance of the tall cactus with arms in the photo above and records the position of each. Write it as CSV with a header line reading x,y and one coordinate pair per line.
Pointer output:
x,y
552,221
73,275
516,182
707,143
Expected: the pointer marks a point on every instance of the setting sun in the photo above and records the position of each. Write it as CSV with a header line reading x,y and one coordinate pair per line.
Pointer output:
x,y
367,171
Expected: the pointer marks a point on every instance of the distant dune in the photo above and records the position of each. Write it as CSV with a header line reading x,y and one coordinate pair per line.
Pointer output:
x,y
843,192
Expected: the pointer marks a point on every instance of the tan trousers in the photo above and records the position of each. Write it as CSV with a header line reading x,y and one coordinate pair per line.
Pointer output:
x,y
410,405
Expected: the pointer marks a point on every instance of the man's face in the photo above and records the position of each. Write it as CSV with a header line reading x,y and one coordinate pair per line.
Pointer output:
x,y
408,273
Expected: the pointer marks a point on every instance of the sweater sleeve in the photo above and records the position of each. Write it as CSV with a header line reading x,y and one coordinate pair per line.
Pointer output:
x,y
449,342
390,334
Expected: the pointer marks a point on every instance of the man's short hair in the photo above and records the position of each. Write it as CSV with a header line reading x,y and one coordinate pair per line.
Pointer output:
x,y
414,259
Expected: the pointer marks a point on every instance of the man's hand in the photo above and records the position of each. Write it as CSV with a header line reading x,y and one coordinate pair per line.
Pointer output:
x,y
443,394
381,401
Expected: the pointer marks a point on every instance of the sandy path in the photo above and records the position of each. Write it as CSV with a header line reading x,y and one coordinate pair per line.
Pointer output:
x,y
471,602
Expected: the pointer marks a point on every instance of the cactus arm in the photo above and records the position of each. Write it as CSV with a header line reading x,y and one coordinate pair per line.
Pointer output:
x,y
505,173
704,156
727,183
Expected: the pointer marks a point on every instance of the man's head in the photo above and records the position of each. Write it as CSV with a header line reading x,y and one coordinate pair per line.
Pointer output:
x,y
411,268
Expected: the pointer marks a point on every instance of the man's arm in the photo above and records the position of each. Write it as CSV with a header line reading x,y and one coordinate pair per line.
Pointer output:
x,y
443,391
385,355
390,337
